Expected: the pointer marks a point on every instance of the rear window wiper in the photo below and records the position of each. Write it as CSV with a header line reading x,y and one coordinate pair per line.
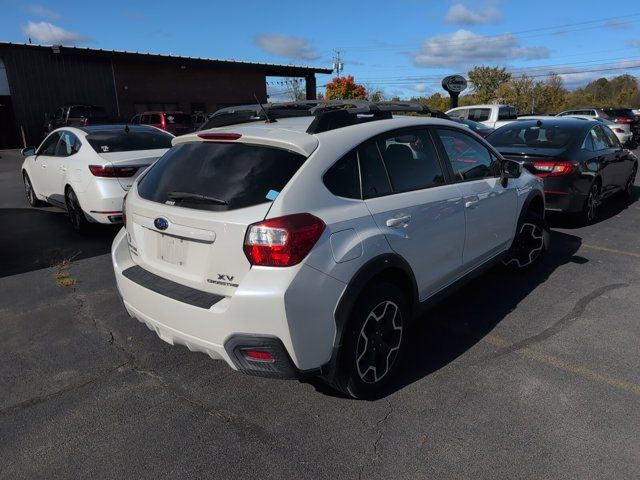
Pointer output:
x,y
196,197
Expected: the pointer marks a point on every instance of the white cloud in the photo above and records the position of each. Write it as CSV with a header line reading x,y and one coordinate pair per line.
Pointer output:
x,y
465,48
44,12
48,33
286,46
459,14
581,78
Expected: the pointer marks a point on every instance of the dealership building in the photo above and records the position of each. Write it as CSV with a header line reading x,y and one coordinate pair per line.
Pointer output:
x,y
35,80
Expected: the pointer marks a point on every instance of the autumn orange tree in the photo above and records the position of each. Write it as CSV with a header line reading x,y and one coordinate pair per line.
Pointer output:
x,y
345,88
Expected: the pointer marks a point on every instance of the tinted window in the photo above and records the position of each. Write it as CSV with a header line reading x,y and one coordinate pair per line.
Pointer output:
x,y
411,161
108,141
154,119
600,140
375,181
620,112
81,111
343,179
613,140
479,114
459,113
503,113
547,135
68,145
48,147
177,118
469,159
144,119
59,114
136,120
241,175
588,142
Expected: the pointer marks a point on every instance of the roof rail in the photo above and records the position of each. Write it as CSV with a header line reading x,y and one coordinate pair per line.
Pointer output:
x,y
329,114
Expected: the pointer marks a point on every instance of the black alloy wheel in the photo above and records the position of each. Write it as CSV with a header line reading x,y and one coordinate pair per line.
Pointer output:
x,y
76,215
30,193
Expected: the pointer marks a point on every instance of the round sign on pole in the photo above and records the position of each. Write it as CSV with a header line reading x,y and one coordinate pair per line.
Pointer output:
x,y
454,83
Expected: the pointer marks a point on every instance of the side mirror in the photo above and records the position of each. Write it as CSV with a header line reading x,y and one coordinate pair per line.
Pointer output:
x,y
510,169
28,151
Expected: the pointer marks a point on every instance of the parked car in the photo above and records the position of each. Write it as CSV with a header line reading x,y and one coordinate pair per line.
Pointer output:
x,y
304,246
621,130
581,162
623,116
176,123
476,127
493,116
88,170
76,116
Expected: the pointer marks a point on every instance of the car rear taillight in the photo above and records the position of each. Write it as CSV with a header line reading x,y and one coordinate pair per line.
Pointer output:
x,y
110,171
622,120
554,169
617,130
283,241
124,210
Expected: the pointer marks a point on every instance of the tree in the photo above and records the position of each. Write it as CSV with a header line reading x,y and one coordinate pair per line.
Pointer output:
x,y
486,80
345,88
519,92
295,90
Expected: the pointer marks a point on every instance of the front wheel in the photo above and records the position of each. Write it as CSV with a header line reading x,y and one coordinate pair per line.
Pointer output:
x,y
32,198
530,243
76,215
374,341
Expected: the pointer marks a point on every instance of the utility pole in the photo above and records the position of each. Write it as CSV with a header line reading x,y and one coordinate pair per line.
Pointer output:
x,y
338,66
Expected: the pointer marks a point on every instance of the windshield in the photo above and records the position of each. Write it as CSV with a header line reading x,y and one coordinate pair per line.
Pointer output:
x,y
219,176
109,141
533,136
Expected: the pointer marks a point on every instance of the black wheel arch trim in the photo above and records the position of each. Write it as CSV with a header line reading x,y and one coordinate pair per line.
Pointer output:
x,y
525,209
374,267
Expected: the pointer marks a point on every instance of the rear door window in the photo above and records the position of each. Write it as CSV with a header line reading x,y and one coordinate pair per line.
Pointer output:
x,y
68,144
155,119
219,176
600,140
375,181
479,114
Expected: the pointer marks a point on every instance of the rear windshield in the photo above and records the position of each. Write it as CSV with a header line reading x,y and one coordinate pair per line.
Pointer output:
x,y
177,118
87,112
219,176
108,141
533,136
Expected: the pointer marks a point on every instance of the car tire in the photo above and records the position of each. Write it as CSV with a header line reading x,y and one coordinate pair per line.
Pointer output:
x,y
631,181
373,342
30,192
530,244
76,214
589,211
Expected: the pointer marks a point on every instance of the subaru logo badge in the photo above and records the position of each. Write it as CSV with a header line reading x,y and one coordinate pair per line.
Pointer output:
x,y
161,223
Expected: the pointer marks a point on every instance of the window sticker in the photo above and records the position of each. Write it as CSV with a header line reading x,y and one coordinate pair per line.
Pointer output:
x,y
272,195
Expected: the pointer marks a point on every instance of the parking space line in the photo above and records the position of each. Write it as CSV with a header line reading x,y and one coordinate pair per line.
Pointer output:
x,y
560,364
611,250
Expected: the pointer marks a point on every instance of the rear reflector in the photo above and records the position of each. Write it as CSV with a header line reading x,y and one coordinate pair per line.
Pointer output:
x,y
110,171
617,130
554,169
219,136
622,120
260,355
282,241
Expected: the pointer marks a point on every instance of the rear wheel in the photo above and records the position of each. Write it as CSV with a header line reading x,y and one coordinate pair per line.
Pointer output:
x,y
374,341
631,181
30,193
589,209
76,215
530,243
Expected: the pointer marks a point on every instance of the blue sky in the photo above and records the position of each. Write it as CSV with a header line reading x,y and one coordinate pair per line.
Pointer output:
x,y
403,47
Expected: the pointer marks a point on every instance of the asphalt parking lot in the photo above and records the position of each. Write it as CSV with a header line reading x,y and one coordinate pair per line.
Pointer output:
x,y
514,376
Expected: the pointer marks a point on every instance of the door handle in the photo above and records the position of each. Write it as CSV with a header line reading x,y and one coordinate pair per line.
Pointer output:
x,y
471,202
63,168
400,221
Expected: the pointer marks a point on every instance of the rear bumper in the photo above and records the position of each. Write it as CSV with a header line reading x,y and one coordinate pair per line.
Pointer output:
x,y
292,307
566,194
102,201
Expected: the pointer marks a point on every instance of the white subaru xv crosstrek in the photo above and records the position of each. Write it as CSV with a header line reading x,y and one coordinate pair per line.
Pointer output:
x,y
305,242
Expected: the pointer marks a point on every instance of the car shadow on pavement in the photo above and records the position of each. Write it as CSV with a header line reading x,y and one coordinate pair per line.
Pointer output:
x,y
32,239
455,325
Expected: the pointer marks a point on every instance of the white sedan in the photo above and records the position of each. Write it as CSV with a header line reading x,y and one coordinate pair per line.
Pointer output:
x,y
88,170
